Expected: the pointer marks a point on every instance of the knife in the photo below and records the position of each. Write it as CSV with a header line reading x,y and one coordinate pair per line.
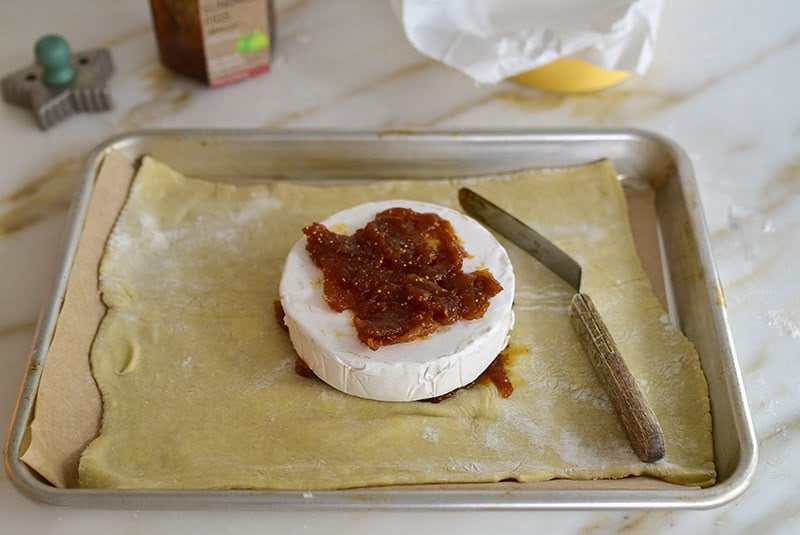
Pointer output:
x,y
637,418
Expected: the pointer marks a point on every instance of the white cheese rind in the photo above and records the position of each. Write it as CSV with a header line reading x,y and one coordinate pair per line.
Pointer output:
x,y
451,357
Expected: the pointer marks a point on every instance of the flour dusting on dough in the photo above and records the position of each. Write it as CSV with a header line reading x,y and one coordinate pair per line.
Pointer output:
x,y
430,434
259,206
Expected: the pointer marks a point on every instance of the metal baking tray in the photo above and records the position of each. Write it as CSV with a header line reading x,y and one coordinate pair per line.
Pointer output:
x,y
692,285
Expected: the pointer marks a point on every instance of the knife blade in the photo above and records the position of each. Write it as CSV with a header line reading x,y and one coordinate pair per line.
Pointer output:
x,y
637,418
522,236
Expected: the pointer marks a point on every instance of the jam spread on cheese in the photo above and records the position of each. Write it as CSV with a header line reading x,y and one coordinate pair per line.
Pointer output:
x,y
496,373
400,275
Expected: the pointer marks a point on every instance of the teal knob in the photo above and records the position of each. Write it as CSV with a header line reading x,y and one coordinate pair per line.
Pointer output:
x,y
53,55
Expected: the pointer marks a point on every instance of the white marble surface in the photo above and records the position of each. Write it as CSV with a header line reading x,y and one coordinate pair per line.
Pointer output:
x,y
724,84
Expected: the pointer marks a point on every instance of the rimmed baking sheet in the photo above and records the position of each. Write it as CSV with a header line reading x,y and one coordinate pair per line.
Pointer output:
x,y
665,212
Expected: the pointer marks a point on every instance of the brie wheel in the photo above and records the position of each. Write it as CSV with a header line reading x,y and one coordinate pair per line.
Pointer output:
x,y
451,357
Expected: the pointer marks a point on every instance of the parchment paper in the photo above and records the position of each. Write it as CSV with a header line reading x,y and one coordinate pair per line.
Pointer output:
x,y
68,408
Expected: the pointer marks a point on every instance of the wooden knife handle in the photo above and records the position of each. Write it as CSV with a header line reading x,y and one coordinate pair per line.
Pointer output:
x,y
638,419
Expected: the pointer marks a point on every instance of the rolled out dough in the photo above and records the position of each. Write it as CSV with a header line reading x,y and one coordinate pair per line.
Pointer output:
x,y
197,378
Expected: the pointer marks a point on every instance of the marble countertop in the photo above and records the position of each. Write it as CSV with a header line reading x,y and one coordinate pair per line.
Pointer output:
x,y
724,84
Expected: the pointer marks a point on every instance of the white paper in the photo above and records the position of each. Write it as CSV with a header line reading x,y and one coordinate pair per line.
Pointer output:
x,y
491,40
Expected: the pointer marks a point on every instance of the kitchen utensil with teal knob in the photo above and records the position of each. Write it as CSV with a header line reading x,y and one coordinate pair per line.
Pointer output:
x,y
60,83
